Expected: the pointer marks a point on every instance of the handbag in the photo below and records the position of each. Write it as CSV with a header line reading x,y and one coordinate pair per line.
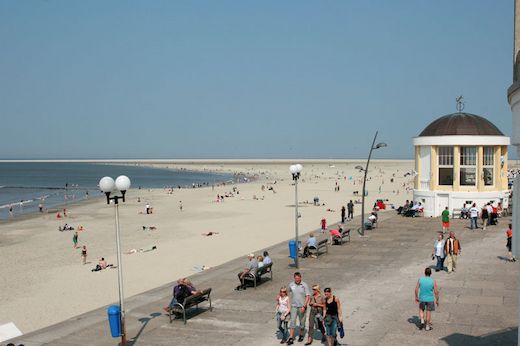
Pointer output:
x,y
341,330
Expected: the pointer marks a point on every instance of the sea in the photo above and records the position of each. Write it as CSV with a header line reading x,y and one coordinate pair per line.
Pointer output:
x,y
24,186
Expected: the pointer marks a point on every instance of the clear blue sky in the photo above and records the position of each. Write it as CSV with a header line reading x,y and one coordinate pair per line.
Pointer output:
x,y
244,79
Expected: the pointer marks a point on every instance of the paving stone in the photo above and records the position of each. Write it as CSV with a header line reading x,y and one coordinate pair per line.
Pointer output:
x,y
375,278
481,300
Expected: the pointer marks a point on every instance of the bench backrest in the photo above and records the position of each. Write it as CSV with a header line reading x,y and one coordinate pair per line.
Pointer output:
x,y
345,232
266,268
324,241
197,298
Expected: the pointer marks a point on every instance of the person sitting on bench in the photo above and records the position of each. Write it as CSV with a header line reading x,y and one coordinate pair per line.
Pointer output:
x,y
335,237
181,291
251,268
311,244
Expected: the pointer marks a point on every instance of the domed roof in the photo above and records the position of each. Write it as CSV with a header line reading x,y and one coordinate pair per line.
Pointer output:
x,y
458,124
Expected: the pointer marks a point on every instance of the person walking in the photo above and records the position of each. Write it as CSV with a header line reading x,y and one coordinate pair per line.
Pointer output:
x,y
509,235
180,205
438,252
452,250
489,211
343,214
75,240
316,315
84,255
323,225
283,303
473,216
350,209
300,297
485,217
331,315
445,216
426,295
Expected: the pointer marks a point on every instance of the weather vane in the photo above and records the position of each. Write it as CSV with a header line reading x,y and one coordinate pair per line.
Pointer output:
x,y
460,103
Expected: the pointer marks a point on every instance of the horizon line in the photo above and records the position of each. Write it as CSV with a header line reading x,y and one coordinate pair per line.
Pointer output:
x,y
184,161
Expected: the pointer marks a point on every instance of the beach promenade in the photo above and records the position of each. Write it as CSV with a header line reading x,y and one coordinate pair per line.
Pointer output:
x,y
374,276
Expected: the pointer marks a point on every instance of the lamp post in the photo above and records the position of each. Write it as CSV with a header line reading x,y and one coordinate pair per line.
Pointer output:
x,y
295,171
108,185
372,147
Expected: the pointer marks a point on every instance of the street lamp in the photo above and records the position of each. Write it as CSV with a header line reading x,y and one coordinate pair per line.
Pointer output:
x,y
295,171
108,186
374,146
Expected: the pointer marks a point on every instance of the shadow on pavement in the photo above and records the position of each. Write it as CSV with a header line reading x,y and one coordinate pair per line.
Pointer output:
x,y
144,321
415,320
502,337
503,258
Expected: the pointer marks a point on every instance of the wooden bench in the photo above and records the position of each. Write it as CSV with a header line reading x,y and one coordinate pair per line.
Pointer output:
x,y
345,234
191,301
259,273
321,245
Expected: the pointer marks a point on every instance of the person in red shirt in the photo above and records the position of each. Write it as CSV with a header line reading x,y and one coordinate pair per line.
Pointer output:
x,y
509,235
335,236
323,225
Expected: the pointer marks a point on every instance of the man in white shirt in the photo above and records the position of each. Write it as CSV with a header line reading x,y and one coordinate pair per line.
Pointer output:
x,y
473,216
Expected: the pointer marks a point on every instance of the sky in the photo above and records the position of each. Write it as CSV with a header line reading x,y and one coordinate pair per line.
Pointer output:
x,y
245,79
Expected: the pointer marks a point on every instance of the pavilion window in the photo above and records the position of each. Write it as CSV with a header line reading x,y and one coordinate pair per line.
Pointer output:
x,y
488,162
445,157
468,166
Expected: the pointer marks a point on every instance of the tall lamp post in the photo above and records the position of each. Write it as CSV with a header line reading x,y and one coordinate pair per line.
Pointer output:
x,y
372,147
108,186
295,171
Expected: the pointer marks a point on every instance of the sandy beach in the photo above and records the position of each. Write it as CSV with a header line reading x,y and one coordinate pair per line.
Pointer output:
x,y
44,282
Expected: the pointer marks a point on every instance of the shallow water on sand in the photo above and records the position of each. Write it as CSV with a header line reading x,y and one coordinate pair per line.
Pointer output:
x,y
24,186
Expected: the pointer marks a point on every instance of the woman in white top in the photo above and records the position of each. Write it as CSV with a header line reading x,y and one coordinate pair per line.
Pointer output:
x,y
283,304
438,252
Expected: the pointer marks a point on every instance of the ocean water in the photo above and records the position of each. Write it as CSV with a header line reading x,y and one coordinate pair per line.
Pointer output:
x,y
23,186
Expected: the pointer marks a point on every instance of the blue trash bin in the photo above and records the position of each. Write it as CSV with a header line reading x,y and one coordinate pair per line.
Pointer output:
x,y
114,319
293,249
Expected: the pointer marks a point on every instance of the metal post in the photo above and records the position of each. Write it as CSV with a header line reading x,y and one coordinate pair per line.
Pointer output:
x,y
120,275
362,229
296,219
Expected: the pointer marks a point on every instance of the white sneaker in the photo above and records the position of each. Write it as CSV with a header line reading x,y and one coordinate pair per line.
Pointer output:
x,y
428,327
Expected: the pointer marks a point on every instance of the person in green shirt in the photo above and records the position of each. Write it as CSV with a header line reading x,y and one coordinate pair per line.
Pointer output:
x,y
445,220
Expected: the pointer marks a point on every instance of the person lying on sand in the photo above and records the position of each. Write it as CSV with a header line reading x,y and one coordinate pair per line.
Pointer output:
x,y
132,251
201,268
151,228
209,234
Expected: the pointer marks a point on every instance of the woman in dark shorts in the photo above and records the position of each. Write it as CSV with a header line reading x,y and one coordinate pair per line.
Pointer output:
x,y
331,315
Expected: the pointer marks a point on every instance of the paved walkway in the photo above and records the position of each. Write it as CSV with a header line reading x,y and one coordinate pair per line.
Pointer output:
x,y
374,276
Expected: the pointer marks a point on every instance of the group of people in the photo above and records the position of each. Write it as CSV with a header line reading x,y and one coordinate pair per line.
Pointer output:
x,y
295,301
446,249
181,291
488,213
410,209
350,210
251,268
